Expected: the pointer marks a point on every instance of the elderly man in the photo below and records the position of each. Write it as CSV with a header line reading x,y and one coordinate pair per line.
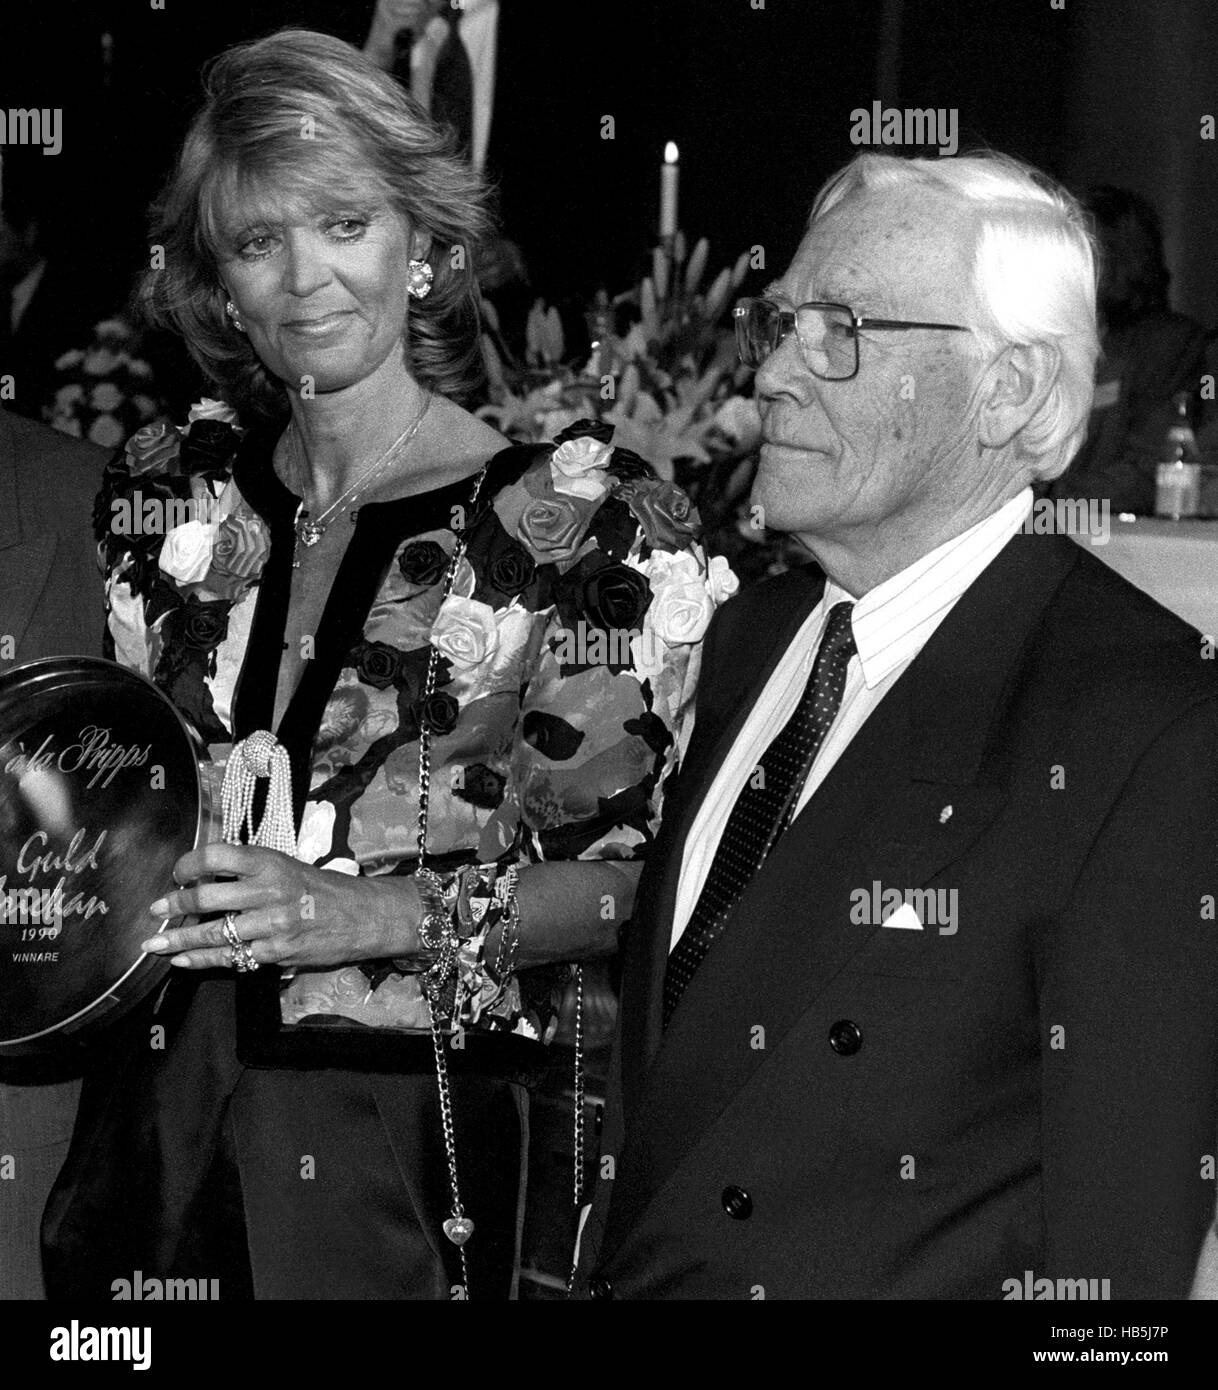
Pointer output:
x,y
921,997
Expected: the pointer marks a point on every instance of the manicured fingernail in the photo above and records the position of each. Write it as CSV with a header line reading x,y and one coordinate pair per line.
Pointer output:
x,y
156,943
160,908
180,960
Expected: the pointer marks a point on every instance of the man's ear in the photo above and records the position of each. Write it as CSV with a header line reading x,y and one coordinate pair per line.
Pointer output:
x,y
1019,382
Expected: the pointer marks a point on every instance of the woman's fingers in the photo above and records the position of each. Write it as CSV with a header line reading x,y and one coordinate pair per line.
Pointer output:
x,y
219,858
201,936
216,958
253,880
233,895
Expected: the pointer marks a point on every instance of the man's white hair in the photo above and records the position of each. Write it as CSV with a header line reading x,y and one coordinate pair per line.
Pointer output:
x,y
1034,274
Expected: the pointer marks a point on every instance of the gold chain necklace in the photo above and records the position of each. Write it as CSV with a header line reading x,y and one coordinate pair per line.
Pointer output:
x,y
309,531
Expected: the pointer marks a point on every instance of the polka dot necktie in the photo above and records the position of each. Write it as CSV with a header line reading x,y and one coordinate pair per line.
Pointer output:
x,y
766,805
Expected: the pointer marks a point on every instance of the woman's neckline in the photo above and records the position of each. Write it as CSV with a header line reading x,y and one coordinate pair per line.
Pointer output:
x,y
259,484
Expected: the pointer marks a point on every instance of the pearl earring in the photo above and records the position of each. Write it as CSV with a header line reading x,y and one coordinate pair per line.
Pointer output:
x,y
231,310
418,279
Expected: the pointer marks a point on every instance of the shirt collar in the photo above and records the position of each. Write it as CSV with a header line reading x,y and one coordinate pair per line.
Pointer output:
x,y
467,11
893,621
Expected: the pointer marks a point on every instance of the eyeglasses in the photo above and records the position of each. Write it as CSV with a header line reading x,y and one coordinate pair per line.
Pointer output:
x,y
828,334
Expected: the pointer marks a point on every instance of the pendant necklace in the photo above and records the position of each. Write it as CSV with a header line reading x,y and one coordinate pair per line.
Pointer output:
x,y
310,530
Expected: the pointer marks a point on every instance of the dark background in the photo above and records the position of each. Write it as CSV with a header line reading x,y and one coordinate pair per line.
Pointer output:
x,y
758,100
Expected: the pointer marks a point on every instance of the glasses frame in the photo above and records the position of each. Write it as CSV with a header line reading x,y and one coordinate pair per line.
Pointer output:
x,y
788,321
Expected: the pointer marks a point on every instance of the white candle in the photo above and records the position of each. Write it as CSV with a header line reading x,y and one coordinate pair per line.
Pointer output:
x,y
670,173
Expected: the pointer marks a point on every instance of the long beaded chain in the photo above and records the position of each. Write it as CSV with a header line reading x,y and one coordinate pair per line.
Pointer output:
x,y
579,1106
458,1227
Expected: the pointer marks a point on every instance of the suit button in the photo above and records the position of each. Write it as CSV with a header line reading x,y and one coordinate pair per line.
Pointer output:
x,y
600,1288
845,1038
737,1203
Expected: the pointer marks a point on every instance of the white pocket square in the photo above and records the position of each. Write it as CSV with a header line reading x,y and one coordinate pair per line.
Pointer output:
x,y
904,919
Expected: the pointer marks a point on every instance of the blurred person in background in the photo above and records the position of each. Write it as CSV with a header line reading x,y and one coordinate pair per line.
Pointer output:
x,y
1149,354
50,605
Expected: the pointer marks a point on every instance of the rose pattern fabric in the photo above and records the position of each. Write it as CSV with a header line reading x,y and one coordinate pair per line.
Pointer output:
x,y
544,746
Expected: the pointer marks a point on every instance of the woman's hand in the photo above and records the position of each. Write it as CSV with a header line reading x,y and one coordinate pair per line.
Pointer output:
x,y
290,914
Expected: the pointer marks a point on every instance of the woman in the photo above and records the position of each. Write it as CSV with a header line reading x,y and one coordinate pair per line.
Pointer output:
x,y
411,606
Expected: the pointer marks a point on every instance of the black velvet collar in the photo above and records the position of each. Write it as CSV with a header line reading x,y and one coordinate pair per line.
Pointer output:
x,y
380,528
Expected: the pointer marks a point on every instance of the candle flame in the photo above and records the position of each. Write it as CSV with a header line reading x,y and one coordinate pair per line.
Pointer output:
x,y
670,153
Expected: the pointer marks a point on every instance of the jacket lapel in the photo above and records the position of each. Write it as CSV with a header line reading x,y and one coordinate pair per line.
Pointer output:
x,y
717,725
878,816
25,561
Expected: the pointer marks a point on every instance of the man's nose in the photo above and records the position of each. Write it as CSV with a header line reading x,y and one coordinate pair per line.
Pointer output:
x,y
305,266
783,372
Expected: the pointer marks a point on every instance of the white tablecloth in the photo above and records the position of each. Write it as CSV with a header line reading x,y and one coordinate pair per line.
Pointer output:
x,y
1174,561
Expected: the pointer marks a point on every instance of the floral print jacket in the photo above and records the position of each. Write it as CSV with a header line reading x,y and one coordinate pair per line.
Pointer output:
x,y
569,649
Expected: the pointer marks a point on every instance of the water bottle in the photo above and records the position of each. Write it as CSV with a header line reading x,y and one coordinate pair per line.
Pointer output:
x,y
1178,474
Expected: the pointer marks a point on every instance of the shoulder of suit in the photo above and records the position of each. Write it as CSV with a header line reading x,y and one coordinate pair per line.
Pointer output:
x,y
1105,633
38,450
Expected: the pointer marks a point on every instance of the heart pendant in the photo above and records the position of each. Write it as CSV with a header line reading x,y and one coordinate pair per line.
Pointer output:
x,y
458,1229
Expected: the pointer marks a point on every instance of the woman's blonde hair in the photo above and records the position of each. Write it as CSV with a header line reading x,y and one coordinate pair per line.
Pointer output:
x,y
306,114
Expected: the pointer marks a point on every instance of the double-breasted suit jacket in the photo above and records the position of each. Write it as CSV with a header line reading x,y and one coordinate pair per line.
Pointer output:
x,y
844,1109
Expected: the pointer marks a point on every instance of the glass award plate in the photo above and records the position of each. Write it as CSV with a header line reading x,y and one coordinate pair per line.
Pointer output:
x,y
100,793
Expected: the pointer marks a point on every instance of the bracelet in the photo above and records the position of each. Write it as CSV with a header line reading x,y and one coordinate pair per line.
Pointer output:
x,y
434,926
435,935
509,937
460,910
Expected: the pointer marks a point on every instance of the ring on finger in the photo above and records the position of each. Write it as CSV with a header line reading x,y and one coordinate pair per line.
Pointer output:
x,y
231,934
243,957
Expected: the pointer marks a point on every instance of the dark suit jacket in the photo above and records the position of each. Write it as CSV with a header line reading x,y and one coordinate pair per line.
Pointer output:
x,y
1033,1092
50,604
51,597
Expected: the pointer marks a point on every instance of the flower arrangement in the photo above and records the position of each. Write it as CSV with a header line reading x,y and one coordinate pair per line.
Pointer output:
x,y
106,390
663,371
181,550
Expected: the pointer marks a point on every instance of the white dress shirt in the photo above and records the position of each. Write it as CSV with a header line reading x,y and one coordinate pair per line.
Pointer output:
x,y
479,29
891,625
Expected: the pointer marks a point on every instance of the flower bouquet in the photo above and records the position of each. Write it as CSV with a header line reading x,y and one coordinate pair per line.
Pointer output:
x,y
663,371
183,555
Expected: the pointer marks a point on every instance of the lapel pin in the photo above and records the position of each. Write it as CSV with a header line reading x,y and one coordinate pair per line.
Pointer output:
x,y
945,815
